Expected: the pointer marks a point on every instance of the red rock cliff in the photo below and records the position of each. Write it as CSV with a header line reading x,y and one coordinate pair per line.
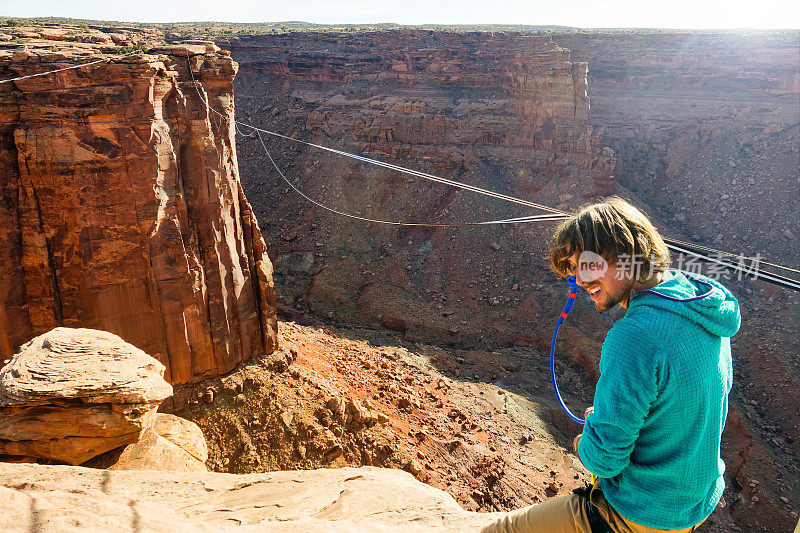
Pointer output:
x,y
413,92
122,208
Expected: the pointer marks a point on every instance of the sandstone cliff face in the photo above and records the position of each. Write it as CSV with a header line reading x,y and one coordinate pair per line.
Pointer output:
x,y
122,208
415,93
705,127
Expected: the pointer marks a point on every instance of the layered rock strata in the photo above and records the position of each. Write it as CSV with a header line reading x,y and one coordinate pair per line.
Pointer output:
x,y
705,126
121,204
72,394
430,95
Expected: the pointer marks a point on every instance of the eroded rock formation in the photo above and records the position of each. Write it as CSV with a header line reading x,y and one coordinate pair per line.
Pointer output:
x,y
705,126
170,444
72,394
448,98
121,204
710,148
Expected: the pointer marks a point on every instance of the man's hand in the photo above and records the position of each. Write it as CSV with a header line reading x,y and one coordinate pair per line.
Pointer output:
x,y
589,410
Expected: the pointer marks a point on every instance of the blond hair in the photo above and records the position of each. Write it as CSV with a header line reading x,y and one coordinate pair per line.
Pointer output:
x,y
612,228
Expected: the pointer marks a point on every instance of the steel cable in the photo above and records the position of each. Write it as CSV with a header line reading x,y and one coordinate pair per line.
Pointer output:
x,y
557,214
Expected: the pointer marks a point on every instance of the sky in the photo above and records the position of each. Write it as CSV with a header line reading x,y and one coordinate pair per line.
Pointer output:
x,y
689,14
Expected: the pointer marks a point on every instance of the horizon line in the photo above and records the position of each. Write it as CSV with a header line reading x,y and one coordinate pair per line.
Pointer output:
x,y
392,24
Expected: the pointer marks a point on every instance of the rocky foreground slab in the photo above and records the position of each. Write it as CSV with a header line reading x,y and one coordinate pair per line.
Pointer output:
x,y
65,498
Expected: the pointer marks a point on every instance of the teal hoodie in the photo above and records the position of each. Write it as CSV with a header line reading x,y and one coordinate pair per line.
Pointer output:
x,y
661,402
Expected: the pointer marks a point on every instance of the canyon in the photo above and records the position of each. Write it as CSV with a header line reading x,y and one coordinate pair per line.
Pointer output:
x,y
427,100
124,212
700,129
132,204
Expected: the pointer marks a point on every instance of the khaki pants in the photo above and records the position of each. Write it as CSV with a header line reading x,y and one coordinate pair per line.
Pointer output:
x,y
567,514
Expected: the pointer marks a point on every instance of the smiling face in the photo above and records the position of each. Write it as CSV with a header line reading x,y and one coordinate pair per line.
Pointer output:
x,y
615,229
607,287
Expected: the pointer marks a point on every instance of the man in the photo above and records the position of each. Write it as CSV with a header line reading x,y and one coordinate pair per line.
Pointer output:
x,y
653,435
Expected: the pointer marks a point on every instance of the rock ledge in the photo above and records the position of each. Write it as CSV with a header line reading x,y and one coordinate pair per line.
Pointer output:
x,y
343,500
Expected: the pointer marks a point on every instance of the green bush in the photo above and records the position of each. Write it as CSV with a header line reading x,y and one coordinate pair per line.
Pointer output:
x,y
140,49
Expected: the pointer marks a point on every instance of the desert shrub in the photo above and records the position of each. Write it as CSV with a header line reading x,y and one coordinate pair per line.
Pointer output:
x,y
139,48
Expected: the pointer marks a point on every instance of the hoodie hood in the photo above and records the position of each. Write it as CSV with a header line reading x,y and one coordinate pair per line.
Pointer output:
x,y
717,312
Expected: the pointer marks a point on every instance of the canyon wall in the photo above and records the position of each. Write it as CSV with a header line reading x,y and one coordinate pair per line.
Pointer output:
x,y
504,111
705,126
121,205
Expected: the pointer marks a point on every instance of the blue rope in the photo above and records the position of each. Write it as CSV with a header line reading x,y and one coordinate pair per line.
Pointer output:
x,y
573,290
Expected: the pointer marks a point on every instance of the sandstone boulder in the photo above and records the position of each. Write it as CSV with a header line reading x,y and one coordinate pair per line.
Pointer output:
x,y
72,394
331,500
171,444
